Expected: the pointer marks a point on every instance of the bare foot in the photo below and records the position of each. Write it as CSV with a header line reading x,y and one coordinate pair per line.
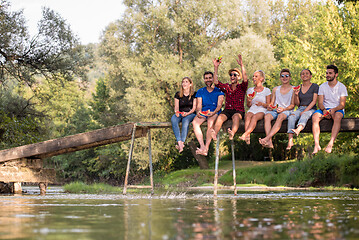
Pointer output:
x,y
248,140
177,147
230,133
262,142
181,146
316,149
289,146
296,131
243,137
201,152
269,144
328,148
213,134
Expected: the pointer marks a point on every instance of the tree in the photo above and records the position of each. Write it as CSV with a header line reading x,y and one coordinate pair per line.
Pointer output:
x,y
52,52
323,34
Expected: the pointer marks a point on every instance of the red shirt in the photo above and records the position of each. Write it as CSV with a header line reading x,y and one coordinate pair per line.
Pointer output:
x,y
234,98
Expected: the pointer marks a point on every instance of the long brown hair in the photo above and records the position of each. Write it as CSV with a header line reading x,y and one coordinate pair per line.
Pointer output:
x,y
191,89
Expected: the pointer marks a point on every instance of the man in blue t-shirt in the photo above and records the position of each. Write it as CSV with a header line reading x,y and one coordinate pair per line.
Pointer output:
x,y
209,104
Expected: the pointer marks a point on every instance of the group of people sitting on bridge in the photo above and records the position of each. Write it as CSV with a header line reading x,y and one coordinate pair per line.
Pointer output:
x,y
206,104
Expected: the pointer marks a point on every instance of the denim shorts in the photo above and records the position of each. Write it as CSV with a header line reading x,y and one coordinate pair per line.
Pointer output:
x,y
321,112
275,114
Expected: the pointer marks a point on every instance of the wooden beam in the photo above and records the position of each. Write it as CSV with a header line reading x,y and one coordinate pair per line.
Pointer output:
x,y
73,143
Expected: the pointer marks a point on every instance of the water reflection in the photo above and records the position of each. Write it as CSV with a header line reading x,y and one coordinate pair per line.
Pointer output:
x,y
286,215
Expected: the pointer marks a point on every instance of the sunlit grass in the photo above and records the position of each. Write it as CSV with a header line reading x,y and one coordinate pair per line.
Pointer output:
x,y
96,188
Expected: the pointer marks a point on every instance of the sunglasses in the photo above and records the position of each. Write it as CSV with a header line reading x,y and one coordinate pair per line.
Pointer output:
x,y
287,75
233,74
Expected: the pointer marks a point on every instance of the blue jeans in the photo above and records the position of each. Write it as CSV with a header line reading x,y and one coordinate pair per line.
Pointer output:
x,y
181,136
302,119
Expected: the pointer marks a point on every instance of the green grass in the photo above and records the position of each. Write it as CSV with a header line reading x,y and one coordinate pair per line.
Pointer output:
x,y
96,188
188,177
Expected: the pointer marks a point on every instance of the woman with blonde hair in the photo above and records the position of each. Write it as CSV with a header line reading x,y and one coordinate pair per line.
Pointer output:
x,y
185,107
258,99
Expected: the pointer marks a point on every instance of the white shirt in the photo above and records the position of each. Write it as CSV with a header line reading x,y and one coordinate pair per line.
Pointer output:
x,y
285,100
259,97
332,95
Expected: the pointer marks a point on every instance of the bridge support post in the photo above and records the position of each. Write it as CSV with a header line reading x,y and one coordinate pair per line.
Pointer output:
x,y
234,168
216,166
16,187
129,159
150,157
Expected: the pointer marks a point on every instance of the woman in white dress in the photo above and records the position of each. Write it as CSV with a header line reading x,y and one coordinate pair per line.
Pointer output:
x,y
257,104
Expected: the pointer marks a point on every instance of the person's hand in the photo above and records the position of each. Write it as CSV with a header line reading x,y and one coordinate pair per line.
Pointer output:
x,y
239,60
216,63
260,104
296,91
280,109
210,114
327,114
331,113
184,114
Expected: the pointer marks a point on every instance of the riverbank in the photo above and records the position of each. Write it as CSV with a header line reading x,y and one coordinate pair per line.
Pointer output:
x,y
323,171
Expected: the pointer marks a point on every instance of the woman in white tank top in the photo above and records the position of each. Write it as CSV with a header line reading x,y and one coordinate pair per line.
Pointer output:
x,y
281,107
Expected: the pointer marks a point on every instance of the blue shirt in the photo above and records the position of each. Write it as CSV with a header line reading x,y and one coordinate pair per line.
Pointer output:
x,y
209,99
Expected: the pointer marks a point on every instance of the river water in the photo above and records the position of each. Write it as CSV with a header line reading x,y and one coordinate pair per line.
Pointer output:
x,y
249,215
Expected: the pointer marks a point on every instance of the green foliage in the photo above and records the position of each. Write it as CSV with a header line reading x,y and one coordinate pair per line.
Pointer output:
x,y
19,121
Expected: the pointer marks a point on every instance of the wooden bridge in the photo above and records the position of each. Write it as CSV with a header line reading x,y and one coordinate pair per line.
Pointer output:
x,y
25,163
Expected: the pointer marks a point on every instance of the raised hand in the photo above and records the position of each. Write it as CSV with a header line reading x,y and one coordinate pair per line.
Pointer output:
x,y
239,60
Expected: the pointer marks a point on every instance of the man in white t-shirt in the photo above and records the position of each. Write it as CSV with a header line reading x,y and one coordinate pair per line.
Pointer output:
x,y
332,96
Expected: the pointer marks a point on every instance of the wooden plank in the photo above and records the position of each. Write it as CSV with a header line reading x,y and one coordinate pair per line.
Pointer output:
x,y
25,174
73,143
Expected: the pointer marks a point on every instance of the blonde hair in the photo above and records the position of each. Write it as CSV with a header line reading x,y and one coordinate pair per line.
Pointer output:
x,y
263,75
191,89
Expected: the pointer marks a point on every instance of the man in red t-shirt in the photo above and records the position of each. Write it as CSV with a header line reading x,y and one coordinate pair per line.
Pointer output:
x,y
235,93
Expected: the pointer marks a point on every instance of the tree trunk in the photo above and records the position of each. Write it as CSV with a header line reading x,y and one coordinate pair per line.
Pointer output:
x,y
202,161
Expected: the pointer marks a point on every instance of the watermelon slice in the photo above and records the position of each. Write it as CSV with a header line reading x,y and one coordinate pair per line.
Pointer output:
x,y
179,112
252,95
219,58
296,87
204,113
273,107
326,114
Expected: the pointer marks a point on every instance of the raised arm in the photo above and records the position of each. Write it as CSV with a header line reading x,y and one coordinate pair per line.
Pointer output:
x,y
244,73
216,64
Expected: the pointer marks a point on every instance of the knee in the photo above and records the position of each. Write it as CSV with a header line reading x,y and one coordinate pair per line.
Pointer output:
x,y
174,119
282,117
268,117
316,118
291,117
338,117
